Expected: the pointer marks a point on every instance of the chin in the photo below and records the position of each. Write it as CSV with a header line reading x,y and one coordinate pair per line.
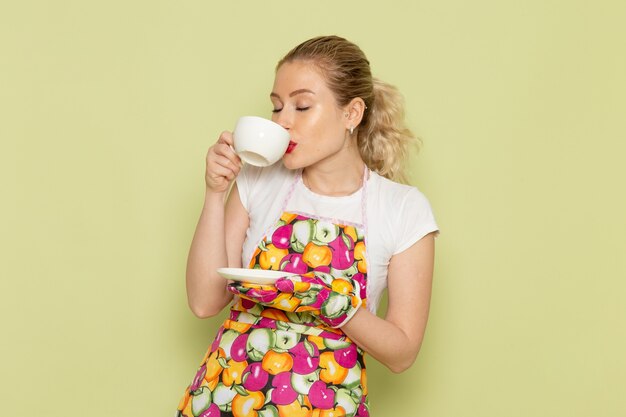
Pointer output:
x,y
290,163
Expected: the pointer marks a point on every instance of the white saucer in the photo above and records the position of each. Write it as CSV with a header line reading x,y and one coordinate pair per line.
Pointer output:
x,y
255,276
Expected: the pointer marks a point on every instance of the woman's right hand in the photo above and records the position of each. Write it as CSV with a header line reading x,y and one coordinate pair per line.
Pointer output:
x,y
222,164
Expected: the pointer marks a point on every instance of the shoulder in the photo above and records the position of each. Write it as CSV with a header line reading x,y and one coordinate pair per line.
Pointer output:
x,y
397,195
402,214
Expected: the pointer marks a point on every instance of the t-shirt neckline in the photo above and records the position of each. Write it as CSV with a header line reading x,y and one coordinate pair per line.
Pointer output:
x,y
356,193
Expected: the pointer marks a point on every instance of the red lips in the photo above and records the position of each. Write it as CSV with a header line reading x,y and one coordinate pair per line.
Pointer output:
x,y
291,146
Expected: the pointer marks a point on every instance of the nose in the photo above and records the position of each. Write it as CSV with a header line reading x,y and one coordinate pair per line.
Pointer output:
x,y
283,119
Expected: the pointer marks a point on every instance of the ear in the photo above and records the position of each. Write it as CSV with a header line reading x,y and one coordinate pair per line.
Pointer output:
x,y
354,112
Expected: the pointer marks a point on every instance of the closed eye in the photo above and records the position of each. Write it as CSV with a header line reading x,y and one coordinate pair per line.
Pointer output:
x,y
302,108
276,110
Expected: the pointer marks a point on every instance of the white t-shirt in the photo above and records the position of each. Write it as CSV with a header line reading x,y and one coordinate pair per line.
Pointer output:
x,y
397,215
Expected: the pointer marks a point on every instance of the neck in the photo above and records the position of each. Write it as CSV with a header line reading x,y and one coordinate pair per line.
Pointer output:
x,y
339,175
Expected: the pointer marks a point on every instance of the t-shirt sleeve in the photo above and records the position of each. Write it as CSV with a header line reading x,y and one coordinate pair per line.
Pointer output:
x,y
416,220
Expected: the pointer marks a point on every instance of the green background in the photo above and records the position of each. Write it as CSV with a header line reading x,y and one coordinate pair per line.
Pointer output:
x,y
107,109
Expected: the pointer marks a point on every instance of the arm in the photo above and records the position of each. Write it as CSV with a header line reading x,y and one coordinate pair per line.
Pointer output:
x,y
206,290
396,339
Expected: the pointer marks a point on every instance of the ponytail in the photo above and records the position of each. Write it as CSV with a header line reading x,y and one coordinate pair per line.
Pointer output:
x,y
384,140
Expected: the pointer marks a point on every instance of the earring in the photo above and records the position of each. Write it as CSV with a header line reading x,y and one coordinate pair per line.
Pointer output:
x,y
346,114
351,129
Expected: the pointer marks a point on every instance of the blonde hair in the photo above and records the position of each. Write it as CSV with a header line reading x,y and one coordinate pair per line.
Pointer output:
x,y
382,137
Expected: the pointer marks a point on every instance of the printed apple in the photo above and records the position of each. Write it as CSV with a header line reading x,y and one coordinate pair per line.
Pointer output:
x,y
223,396
337,411
228,338
359,255
302,234
343,255
277,362
293,263
254,377
248,405
316,255
335,344
360,280
216,341
305,357
325,232
281,238
302,383
201,401
347,401
347,357
214,364
233,372
336,305
297,318
197,380
286,340
269,411
283,393
332,372
343,286
271,257
259,342
323,268
363,411
345,273
314,297
238,349
321,396
325,277
353,379
212,411
267,323
350,231
297,408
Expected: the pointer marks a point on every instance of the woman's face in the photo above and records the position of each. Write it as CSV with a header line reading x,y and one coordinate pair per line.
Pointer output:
x,y
307,108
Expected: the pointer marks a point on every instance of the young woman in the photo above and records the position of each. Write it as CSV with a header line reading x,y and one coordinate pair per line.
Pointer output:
x,y
334,213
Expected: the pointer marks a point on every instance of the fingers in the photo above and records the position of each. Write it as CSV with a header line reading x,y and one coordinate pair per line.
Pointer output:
x,y
222,163
226,137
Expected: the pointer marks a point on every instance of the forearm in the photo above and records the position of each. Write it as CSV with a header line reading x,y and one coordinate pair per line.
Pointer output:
x,y
206,290
384,340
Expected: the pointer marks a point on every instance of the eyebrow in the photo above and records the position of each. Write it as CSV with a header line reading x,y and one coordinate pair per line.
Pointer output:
x,y
293,93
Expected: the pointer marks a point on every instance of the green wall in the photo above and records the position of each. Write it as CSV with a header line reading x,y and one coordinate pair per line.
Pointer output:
x,y
107,109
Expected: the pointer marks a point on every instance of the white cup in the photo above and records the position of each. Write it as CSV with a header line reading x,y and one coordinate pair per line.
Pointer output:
x,y
260,141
